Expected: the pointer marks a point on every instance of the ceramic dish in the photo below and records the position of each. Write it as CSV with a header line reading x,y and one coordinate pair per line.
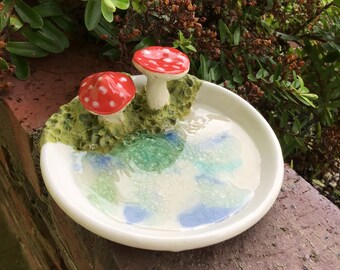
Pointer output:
x,y
213,177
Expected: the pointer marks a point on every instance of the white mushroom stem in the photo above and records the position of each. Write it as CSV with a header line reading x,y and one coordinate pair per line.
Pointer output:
x,y
115,118
157,93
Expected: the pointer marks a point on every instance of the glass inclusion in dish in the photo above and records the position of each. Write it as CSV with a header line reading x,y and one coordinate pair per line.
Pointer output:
x,y
200,173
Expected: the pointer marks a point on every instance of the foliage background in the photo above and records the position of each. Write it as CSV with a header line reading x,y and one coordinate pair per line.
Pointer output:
x,y
280,55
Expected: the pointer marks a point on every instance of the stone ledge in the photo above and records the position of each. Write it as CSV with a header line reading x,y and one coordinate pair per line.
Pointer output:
x,y
301,231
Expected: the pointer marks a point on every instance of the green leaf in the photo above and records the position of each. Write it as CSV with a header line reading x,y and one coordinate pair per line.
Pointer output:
x,y
92,14
222,27
64,22
121,4
54,33
287,37
310,96
262,73
277,72
301,82
318,183
237,34
107,11
203,69
102,30
251,77
224,32
238,78
336,3
48,9
145,42
109,4
28,15
138,6
3,64
14,23
191,48
24,48
334,104
22,69
176,43
43,40
113,54
215,73
5,13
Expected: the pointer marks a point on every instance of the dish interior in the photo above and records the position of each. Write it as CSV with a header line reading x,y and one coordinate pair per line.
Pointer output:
x,y
209,178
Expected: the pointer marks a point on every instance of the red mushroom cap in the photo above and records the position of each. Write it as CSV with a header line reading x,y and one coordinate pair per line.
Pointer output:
x,y
163,60
106,93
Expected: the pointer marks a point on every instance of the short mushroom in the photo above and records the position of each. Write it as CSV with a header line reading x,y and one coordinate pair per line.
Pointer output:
x,y
106,94
159,65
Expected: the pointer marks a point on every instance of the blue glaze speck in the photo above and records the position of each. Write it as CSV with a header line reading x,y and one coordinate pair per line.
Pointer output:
x,y
134,214
202,214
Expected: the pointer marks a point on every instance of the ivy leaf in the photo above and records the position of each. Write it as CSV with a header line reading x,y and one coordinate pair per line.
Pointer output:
x,y
92,14
28,15
22,69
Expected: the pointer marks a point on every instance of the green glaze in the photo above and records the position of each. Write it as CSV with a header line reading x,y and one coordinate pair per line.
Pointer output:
x,y
75,126
149,152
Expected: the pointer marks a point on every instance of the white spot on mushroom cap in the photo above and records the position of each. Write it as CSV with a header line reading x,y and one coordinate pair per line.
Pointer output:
x,y
160,69
168,60
102,89
145,52
86,99
100,78
95,104
123,79
166,50
152,62
182,57
119,85
112,103
83,84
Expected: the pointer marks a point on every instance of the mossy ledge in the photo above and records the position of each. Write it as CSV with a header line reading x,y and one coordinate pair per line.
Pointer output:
x,y
74,126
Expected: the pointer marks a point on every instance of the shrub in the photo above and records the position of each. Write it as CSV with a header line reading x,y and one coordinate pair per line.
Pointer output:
x,y
282,56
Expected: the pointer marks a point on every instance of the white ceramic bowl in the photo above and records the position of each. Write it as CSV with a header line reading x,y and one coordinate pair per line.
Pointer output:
x,y
56,171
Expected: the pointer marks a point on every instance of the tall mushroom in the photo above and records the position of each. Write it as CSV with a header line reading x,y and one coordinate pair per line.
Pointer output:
x,y
159,65
106,94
